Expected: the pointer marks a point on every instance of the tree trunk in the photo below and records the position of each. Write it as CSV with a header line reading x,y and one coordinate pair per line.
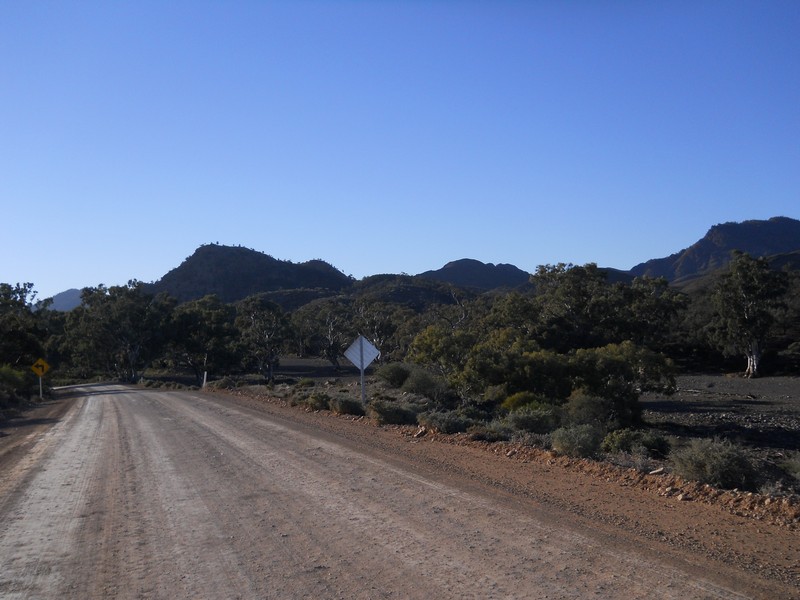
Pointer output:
x,y
753,360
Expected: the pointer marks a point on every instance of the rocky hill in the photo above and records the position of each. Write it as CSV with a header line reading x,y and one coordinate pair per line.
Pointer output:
x,y
473,274
66,301
233,273
776,236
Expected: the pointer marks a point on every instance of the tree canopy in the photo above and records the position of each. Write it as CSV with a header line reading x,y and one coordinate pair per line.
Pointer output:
x,y
572,338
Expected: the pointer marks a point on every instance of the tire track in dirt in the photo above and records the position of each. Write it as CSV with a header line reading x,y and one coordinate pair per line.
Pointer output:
x,y
40,518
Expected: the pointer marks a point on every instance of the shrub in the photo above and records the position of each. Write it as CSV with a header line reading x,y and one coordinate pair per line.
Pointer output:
x,y
305,382
791,465
342,405
534,418
716,462
537,440
445,422
12,386
318,401
521,399
494,431
395,374
494,394
387,412
635,442
621,440
419,381
657,445
226,383
582,409
577,441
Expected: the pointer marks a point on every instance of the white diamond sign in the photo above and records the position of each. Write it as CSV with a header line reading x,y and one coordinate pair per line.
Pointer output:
x,y
361,352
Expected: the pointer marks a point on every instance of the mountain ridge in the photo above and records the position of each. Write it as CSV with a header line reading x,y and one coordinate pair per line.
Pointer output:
x,y
759,238
234,272
474,274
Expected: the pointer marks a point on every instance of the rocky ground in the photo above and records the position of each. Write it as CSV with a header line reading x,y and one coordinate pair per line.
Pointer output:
x,y
763,414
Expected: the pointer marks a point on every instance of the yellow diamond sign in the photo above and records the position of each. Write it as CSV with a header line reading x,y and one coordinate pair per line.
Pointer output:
x,y
40,367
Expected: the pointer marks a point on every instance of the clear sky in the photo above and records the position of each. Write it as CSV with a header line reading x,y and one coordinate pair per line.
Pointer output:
x,y
387,136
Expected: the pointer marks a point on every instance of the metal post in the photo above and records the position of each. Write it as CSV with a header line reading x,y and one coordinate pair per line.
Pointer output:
x,y
363,391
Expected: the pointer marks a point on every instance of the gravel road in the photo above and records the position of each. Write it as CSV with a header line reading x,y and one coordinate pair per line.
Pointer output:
x,y
130,493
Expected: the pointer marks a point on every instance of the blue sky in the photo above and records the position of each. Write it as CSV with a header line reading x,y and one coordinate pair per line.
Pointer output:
x,y
387,137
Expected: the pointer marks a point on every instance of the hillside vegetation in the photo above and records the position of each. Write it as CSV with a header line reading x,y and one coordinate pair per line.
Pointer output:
x,y
560,361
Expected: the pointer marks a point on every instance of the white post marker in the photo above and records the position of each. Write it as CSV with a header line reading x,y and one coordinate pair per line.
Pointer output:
x,y
361,353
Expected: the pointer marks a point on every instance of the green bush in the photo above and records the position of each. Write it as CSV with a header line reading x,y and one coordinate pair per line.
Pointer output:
x,y
536,440
495,431
343,405
585,409
636,443
318,401
521,399
395,374
494,395
534,418
716,462
657,445
226,383
12,387
791,465
577,441
388,412
420,381
621,440
305,382
445,422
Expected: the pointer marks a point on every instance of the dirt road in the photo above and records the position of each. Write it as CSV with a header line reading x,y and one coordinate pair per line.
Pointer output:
x,y
132,493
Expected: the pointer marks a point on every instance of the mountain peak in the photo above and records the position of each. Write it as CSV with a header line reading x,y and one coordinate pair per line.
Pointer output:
x,y
471,273
757,238
235,272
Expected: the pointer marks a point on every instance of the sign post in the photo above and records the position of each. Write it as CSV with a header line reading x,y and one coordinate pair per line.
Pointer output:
x,y
40,367
361,353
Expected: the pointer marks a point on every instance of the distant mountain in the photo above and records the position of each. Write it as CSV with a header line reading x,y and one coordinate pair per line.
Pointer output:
x,y
473,274
778,235
233,273
66,301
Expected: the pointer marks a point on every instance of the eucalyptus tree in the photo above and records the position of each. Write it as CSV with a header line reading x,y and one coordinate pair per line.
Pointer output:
x,y
22,340
21,335
383,324
650,311
611,379
325,328
745,300
445,350
515,310
203,336
263,328
497,360
118,330
576,307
